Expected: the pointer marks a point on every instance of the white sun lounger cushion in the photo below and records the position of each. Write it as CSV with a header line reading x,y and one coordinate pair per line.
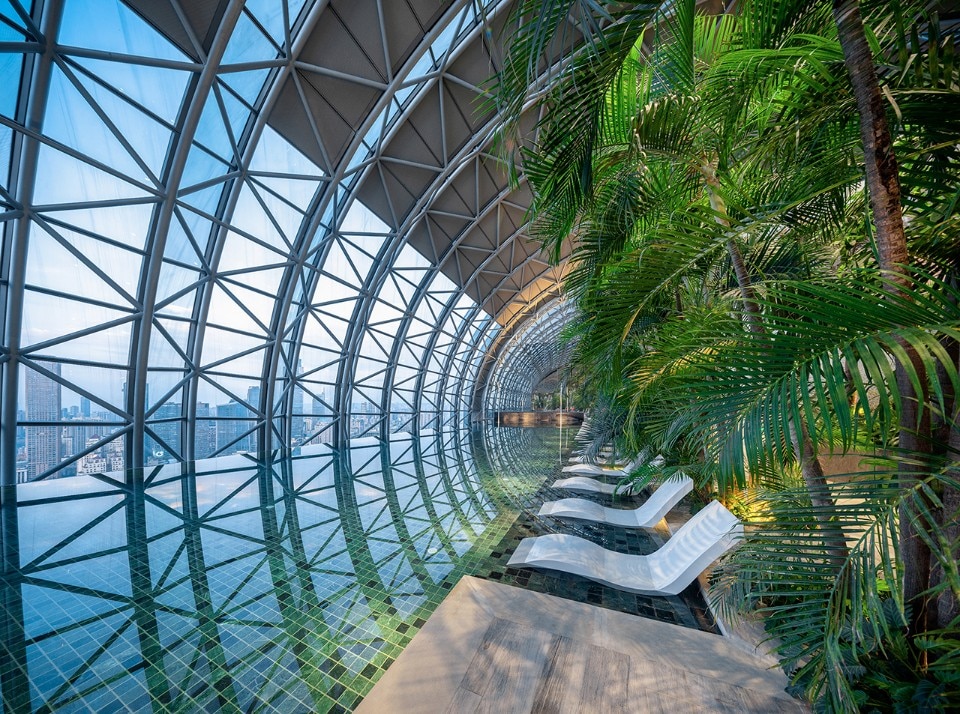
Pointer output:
x,y
583,483
667,571
595,470
646,515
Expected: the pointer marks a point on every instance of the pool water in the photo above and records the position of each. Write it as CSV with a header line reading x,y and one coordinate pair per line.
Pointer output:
x,y
289,586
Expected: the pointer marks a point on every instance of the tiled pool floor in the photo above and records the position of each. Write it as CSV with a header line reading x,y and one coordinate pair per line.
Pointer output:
x,y
283,587
687,609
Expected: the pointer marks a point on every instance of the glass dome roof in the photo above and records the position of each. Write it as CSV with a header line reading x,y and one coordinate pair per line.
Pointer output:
x,y
251,226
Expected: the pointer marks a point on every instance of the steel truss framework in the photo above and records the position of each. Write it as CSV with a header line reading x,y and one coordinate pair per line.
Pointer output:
x,y
249,226
526,356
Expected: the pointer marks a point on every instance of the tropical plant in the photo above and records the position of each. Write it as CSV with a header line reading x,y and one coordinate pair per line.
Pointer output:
x,y
714,187
670,177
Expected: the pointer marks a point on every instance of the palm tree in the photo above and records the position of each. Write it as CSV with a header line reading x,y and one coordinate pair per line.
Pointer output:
x,y
662,140
883,187
753,389
882,182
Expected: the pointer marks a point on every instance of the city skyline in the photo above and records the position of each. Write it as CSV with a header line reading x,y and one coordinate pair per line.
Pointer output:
x,y
81,434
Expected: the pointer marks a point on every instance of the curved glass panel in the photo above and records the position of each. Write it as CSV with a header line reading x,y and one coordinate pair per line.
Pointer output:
x,y
530,354
236,233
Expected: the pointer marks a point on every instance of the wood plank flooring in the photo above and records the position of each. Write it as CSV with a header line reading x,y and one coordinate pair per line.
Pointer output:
x,y
583,677
493,648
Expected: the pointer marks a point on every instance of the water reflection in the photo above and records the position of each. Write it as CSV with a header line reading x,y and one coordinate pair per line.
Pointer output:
x,y
245,586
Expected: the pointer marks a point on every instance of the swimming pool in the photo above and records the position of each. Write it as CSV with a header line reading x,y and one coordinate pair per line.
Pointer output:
x,y
286,586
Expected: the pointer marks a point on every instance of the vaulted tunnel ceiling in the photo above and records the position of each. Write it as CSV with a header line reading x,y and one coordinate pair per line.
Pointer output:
x,y
247,225
431,175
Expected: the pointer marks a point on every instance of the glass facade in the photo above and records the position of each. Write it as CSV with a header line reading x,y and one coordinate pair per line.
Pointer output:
x,y
261,276
248,227
527,355
286,585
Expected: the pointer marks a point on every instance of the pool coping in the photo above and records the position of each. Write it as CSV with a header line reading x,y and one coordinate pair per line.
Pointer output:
x,y
428,673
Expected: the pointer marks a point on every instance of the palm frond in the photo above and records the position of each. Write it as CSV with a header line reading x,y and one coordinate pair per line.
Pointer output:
x,y
750,389
828,614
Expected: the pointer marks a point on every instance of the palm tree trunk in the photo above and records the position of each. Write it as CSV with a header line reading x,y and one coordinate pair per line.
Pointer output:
x,y
882,173
883,186
810,467
947,431
811,470
747,294
948,607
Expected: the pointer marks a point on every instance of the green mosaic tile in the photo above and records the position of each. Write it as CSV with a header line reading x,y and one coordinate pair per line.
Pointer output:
x,y
288,588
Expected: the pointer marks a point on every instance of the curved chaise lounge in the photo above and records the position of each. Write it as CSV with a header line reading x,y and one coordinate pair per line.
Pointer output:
x,y
595,470
647,515
585,483
667,571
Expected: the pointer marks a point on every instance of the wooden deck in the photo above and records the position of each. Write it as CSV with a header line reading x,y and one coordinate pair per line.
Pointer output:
x,y
495,648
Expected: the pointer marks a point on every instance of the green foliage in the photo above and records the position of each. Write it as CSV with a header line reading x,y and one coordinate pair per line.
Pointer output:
x,y
736,138
740,393
839,621
893,674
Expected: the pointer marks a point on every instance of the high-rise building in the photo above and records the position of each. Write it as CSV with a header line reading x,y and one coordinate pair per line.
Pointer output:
x,y
206,432
85,407
253,399
233,420
21,432
43,405
298,424
165,423
319,406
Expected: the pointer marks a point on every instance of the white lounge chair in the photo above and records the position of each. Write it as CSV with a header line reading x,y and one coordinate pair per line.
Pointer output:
x,y
604,456
646,515
585,483
667,571
595,470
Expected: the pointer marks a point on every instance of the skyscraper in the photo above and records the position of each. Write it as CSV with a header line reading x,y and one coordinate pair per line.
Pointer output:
x,y
253,399
319,407
166,425
206,437
232,425
43,405
298,424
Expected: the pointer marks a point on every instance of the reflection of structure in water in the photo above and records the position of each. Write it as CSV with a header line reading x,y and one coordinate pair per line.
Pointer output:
x,y
543,418
242,586
289,585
